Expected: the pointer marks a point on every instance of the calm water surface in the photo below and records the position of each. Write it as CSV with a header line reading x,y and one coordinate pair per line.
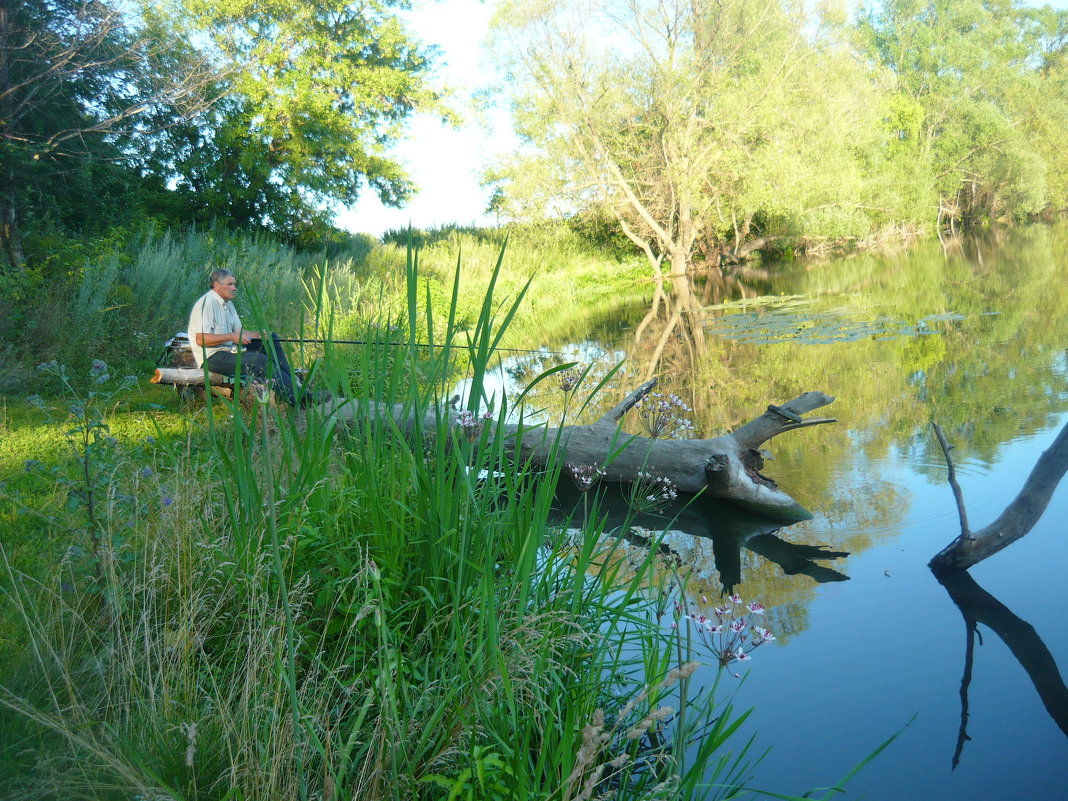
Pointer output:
x,y
973,337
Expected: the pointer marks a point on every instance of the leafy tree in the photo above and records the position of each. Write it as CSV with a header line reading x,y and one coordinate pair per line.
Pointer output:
x,y
316,91
697,125
978,71
1043,111
74,76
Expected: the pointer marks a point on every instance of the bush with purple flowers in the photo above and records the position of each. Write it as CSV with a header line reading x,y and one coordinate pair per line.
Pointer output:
x,y
93,448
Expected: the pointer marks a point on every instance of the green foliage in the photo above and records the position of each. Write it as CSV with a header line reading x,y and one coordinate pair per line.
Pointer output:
x,y
487,777
111,115
315,93
980,98
379,611
76,83
731,122
697,128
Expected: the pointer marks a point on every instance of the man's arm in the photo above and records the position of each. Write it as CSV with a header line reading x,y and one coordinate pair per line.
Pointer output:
x,y
214,340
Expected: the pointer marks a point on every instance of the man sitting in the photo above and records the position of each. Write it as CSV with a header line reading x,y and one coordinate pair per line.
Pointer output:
x,y
220,343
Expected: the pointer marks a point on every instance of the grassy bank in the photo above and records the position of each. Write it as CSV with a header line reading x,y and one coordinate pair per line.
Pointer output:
x,y
246,603
121,298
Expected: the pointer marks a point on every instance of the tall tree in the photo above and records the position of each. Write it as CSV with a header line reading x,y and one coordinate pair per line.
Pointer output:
x,y
73,75
317,90
695,123
973,68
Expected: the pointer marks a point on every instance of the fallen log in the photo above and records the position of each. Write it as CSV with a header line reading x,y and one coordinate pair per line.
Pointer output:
x,y
1019,517
726,467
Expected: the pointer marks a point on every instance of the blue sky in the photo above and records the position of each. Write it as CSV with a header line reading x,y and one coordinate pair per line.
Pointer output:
x,y
446,163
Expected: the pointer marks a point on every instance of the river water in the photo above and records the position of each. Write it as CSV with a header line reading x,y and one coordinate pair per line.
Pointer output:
x,y
971,334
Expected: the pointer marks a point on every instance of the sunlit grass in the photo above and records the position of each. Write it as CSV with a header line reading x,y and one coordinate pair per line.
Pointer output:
x,y
284,607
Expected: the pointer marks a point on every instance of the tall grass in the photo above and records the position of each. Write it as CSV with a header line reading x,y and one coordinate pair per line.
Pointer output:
x,y
377,611
134,292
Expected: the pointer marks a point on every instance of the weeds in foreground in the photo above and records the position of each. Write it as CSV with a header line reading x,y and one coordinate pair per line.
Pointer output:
x,y
93,452
374,611
378,610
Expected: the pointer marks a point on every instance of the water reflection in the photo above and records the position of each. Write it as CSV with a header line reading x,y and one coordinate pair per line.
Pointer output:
x,y
972,336
694,524
672,318
977,606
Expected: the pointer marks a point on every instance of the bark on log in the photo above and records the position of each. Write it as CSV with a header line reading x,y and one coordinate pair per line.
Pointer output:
x,y
726,467
188,376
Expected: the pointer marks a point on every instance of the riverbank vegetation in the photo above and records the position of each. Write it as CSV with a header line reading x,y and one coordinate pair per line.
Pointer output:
x,y
219,603
132,291
227,608
704,131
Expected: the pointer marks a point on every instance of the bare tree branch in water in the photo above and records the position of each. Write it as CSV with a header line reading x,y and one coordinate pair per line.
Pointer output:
x,y
977,606
1019,517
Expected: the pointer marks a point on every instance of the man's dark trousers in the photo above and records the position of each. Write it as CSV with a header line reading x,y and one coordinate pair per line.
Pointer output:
x,y
255,363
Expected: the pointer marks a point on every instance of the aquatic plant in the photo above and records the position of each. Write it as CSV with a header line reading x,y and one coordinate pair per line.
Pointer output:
x,y
731,634
662,414
584,475
568,379
651,492
472,425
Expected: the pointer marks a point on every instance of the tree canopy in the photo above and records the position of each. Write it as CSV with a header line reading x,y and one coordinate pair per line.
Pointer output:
x,y
316,91
77,81
260,115
708,129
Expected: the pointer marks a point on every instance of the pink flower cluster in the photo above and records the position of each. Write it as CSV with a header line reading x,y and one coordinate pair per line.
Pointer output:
x,y
584,475
651,492
472,425
664,414
569,379
730,634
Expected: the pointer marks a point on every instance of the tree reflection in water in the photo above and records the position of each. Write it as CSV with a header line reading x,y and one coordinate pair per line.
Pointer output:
x,y
729,531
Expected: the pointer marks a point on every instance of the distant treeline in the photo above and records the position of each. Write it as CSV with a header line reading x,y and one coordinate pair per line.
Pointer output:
x,y
706,129
701,132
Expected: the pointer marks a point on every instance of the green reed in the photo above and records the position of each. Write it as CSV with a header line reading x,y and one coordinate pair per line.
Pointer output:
x,y
374,608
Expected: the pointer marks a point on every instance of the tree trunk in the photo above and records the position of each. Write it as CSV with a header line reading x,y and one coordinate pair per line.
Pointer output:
x,y
726,467
11,259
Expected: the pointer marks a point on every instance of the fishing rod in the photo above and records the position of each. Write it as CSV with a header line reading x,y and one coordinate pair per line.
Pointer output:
x,y
415,344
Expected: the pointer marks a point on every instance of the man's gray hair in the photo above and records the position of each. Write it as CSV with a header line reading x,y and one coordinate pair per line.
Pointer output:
x,y
217,276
